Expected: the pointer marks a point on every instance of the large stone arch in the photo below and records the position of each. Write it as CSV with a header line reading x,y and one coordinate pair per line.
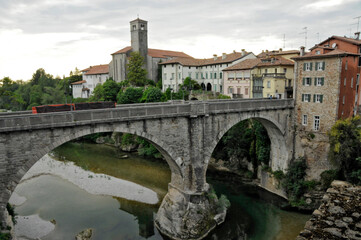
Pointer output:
x,y
280,153
38,153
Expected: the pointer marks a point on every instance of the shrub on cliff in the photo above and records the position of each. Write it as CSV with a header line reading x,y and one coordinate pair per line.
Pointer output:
x,y
345,149
294,182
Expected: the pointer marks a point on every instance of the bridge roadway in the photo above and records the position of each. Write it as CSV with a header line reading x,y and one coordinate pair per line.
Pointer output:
x,y
186,134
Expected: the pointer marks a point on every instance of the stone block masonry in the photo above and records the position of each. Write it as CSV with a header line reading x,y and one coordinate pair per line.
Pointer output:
x,y
338,217
186,134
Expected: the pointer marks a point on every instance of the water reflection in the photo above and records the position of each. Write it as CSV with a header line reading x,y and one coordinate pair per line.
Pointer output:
x,y
74,210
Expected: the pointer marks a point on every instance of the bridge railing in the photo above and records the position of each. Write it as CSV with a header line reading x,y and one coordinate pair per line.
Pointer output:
x,y
131,112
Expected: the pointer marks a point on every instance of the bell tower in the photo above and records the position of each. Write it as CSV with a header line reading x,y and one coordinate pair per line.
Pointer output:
x,y
139,37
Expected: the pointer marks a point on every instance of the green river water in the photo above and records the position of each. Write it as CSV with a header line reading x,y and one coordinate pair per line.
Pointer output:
x,y
251,216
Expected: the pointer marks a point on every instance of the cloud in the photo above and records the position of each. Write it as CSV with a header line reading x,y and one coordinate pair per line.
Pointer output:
x,y
35,33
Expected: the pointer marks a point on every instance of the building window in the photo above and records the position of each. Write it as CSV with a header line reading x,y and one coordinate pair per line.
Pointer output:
x,y
307,66
230,90
189,67
215,75
268,84
134,27
266,70
165,66
196,75
284,70
306,97
275,70
172,76
346,65
246,91
316,123
220,75
320,66
304,120
206,75
165,76
179,76
318,98
352,82
343,100
306,81
142,27
318,52
357,79
319,81
344,82
211,75
190,74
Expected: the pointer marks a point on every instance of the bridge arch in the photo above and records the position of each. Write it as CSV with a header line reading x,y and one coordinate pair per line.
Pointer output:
x,y
279,155
44,148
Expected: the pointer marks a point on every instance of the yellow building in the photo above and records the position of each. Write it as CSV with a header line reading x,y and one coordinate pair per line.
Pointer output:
x,y
273,77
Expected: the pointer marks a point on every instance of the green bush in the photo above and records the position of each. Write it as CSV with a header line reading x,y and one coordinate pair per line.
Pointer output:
x,y
293,181
5,236
223,203
327,177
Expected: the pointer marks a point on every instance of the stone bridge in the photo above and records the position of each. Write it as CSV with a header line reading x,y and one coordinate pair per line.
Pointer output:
x,y
186,133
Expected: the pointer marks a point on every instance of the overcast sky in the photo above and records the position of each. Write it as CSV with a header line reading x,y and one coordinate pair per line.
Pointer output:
x,y
59,35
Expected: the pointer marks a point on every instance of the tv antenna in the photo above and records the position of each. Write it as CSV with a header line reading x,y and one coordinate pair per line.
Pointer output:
x,y
305,32
358,21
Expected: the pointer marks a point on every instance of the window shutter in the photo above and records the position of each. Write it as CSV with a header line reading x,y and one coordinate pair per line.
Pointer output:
x,y
321,98
316,67
322,80
303,81
314,97
304,66
303,97
310,66
315,81
323,65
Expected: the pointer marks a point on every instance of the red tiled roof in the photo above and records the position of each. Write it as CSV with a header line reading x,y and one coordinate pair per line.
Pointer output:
x,y
156,53
334,53
277,52
277,61
78,82
208,61
98,69
346,39
246,64
123,50
85,70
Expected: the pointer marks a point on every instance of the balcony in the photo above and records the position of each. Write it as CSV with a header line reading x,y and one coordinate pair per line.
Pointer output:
x,y
274,75
257,89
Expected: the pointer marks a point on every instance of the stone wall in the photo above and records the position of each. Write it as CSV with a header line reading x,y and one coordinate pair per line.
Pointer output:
x,y
338,217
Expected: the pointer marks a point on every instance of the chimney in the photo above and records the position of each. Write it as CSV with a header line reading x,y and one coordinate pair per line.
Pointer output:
x,y
243,52
357,35
224,55
302,51
215,57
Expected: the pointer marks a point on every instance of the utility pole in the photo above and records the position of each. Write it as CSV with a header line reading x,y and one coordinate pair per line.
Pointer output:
x,y
358,22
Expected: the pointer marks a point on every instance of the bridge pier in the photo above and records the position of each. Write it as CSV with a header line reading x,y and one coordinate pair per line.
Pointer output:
x,y
188,215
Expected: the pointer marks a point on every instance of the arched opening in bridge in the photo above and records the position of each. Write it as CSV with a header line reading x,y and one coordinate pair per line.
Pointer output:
x,y
90,158
244,148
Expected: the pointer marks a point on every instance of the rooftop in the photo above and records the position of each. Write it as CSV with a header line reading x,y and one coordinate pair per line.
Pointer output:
x,y
97,69
244,65
156,53
228,58
333,53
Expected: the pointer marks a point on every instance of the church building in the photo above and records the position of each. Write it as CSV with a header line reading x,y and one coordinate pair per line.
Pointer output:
x,y
139,43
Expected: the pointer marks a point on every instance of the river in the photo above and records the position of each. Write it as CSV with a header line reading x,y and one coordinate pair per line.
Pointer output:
x,y
251,216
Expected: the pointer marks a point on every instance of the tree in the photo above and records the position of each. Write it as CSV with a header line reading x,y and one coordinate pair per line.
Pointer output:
x,y
110,90
152,94
130,95
137,75
345,147
98,94
189,84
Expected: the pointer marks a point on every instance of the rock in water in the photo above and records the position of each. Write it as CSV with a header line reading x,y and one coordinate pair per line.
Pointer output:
x,y
84,235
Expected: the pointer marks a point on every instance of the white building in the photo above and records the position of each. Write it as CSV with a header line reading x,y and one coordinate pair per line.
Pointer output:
x,y
207,72
92,76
